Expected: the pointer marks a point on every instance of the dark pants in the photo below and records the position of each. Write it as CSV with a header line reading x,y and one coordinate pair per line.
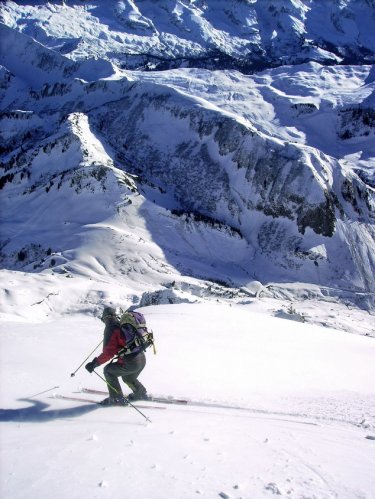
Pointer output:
x,y
128,371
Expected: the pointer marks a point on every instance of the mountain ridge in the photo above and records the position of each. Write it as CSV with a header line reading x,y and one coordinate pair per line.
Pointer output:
x,y
219,175
246,35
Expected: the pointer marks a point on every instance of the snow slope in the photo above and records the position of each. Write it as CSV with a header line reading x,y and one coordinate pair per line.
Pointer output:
x,y
306,428
188,183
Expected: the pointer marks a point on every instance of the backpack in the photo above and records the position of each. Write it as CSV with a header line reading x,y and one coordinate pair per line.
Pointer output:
x,y
134,329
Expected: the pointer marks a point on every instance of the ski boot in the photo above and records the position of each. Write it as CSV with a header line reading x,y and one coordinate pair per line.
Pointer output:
x,y
110,401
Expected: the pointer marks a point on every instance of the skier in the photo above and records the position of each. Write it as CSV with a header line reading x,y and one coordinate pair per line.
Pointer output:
x,y
128,367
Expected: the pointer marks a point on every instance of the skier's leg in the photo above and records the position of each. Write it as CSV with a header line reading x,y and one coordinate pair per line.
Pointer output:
x,y
111,373
136,386
131,370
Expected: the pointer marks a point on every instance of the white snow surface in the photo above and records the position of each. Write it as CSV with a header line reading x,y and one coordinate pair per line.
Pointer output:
x,y
298,419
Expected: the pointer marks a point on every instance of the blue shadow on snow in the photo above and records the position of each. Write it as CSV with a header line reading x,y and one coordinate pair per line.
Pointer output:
x,y
37,413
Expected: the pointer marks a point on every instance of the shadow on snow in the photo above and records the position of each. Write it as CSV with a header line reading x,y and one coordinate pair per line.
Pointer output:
x,y
37,413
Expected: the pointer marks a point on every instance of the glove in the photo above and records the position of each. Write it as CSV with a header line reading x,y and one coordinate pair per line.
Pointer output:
x,y
91,366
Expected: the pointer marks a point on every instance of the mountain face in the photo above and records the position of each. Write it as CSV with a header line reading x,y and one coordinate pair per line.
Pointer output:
x,y
246,35
153,144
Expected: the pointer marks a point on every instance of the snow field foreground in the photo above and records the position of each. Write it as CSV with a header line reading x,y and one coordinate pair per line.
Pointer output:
x,y
307,394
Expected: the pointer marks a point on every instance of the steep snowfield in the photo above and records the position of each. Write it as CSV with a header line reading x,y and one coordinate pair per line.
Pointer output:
x,y
116,258
305,428
241,179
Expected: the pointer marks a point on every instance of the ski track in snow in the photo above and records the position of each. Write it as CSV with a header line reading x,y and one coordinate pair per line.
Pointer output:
x,y
304,429
210,452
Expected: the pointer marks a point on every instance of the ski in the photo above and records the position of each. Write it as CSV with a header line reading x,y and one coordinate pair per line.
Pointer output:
x,y
161,400
177,401
91,401
75,399
93,392
203,404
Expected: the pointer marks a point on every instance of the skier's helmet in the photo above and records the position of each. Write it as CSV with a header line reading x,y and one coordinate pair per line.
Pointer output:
x,y
108,312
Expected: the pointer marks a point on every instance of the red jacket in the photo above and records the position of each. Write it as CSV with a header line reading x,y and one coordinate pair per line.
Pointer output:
x,y
115,343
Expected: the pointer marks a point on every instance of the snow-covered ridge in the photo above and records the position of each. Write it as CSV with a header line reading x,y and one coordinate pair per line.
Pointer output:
x,y
240,34
239,178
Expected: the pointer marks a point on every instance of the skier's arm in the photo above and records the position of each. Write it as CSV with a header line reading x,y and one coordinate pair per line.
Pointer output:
x,y
113,346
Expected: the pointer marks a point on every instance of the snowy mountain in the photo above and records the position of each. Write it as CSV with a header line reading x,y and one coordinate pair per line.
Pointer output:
x,y
210,162
218,34
167,151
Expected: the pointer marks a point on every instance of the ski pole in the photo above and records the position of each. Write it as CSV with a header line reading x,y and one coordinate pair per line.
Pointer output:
x,y
79,367
153,343
114,389
106,382
45,391
140,412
